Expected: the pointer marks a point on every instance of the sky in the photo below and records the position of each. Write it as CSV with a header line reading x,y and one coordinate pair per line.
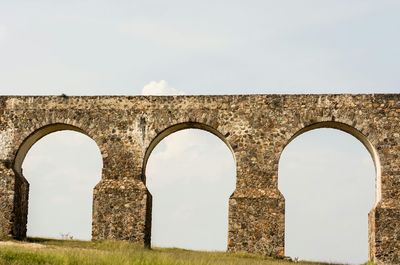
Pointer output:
x,y
191,175
328,180
195,48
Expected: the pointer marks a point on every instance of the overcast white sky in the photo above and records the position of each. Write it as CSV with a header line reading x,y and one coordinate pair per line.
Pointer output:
x,y
206,47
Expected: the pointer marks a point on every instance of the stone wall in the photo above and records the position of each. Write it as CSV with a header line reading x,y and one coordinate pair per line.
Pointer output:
x,y
255,127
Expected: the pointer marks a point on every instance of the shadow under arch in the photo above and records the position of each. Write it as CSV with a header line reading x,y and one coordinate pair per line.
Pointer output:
x,y
156,140
21,184
358,135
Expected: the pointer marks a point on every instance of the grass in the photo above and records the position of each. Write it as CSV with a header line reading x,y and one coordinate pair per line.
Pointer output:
x,y
50,251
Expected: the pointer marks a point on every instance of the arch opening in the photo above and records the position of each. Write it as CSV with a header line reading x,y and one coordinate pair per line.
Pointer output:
x,y
330,183
59,165
359,136
190,174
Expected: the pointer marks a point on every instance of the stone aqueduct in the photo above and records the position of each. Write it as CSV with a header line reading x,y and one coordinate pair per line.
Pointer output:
x,y
255,127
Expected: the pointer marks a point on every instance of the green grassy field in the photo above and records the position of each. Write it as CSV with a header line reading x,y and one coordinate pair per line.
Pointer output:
x,y
48,251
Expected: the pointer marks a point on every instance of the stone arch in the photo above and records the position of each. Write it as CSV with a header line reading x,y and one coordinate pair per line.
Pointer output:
x,y
352,131
21,184
363,138
153,143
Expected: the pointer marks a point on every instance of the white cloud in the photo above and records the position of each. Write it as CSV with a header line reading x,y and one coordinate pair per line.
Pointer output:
x,y
160,88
